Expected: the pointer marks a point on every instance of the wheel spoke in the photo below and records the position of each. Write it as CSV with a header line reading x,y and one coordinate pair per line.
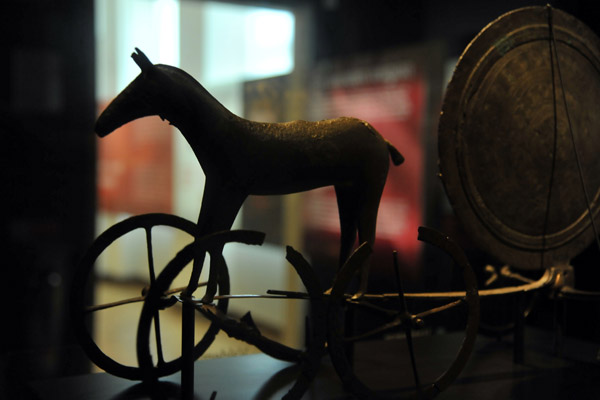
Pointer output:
x,y
159,348
373,332
80,307
364,303
435,310
407,327
150,254
403,307
411,350
404,320
151,271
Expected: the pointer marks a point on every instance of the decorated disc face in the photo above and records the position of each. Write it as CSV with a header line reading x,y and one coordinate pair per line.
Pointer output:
x,y
513,157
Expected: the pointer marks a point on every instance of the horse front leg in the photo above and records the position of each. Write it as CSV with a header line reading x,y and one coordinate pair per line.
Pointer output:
x,y
219,209
217,264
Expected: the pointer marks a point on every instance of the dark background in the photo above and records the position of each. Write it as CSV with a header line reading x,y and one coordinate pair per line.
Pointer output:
x,y
48,159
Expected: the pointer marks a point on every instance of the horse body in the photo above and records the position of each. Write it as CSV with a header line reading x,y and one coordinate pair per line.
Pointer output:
x,y
241,157
291,157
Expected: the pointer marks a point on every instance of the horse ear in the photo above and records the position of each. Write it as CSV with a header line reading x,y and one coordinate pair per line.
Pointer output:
x,y
141,60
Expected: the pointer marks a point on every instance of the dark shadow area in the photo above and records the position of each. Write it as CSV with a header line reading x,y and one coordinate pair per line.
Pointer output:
x,y
153,391
48,178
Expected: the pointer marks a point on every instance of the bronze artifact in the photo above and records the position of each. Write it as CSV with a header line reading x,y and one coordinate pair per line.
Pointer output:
x,y
242,157
517,137
513,112
518,145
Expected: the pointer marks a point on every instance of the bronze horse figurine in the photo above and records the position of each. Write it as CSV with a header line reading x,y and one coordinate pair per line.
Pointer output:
x,y
241,157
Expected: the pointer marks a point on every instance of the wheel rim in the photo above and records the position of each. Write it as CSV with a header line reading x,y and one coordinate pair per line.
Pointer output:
x,y
84,271
336,338
148,369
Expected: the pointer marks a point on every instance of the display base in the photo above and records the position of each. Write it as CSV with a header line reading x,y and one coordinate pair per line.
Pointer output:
x,y
490,374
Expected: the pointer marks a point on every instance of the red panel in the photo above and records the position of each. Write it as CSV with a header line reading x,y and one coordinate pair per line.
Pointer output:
x,y
396,109
135,168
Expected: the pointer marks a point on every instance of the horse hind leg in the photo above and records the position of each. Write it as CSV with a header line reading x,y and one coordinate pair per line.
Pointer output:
x,y
347,200
358,213
367,224
348,224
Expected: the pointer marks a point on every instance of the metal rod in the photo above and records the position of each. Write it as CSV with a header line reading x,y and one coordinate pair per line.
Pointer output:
x,y
545,280
131,300
398,283
187,350
104,306
289,293
253,296
157,333
439,309
407,327
413,361
371,306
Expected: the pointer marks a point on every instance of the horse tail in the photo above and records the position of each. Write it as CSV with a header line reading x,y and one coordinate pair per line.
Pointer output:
x,y
397,158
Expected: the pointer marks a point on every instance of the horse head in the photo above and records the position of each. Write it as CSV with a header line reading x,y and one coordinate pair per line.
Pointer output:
x,y
144,96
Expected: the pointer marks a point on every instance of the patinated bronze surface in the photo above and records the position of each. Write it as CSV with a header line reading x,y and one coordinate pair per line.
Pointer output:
x,y
509,146
517,145
241,157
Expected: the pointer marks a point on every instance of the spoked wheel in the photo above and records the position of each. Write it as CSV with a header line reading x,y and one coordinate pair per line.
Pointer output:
x,y
307,358
163,295
343,342
243,329
141,236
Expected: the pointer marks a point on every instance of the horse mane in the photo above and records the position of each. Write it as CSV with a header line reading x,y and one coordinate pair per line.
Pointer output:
x,y
183,79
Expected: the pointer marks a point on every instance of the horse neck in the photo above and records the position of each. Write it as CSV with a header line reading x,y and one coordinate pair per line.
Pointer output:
x,y
202,120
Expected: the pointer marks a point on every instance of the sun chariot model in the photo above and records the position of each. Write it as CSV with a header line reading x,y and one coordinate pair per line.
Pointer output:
x,y
239,158
546,49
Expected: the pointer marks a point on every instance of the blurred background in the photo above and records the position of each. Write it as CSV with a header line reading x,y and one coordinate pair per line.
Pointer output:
x,y
383,61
